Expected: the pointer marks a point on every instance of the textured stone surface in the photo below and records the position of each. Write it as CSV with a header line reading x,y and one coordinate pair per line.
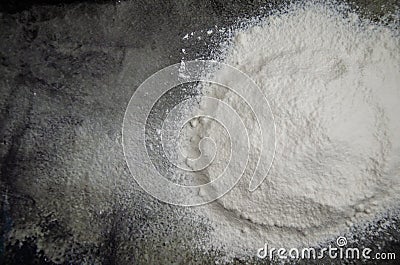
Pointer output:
x,y
67,196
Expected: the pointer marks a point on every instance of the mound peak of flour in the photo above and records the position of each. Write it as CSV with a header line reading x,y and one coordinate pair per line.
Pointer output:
x,y
332,82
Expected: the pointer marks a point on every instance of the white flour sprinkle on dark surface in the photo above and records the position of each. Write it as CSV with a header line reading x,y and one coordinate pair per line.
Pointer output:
x,y
332,80
66,194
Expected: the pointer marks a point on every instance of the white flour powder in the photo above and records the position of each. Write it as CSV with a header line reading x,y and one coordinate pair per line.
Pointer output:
x,y
333,85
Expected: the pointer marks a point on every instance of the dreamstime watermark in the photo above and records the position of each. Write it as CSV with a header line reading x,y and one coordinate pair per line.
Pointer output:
x,y
339,251
156,86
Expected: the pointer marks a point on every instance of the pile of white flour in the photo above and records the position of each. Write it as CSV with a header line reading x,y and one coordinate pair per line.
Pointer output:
x,y
333,84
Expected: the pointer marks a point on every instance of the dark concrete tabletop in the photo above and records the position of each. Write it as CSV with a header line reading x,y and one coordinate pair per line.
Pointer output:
x,y
62,103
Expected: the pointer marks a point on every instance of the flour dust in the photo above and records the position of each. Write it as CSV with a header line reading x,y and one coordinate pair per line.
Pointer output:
x,y
332,81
